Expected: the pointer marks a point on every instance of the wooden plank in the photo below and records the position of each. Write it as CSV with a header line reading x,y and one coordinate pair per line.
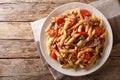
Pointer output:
x,y
25,11
44,1
36,77
22,69
17,49
28,11
15,30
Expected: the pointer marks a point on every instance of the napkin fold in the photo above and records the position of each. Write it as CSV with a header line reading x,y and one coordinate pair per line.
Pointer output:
x,y
36,26
110,8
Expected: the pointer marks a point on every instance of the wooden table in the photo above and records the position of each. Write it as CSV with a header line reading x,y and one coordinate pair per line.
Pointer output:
x,y
19,59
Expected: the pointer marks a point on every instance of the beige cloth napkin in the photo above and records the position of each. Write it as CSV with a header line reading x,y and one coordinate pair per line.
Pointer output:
x,y
110,8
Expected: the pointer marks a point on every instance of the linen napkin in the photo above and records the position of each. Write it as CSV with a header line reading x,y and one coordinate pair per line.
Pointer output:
x,y
110,8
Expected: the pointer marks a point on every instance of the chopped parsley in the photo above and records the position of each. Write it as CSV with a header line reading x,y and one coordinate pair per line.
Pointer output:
x,y
94,62
58,57
82,37
63,23
72,12
91,54
79,67
73,22
71,67
75,45
100,49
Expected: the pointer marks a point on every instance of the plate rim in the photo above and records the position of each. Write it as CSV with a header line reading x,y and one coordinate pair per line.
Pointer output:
x,y
40,43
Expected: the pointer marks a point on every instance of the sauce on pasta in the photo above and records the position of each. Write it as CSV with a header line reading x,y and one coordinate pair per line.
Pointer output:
x,y
76,38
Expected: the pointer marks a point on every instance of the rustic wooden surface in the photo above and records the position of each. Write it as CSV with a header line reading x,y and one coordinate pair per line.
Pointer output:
x,y
19,59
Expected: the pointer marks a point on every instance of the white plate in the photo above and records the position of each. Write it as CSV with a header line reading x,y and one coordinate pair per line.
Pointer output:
x,y
55,64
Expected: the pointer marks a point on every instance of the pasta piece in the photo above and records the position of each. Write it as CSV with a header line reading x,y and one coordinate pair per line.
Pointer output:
x,y
62,54
70,63
72,39
103,35
82,66
77,24
57,53
56,26
94,17
70,56
65,65
66,25
63,38
82,56
87,28
73,33
93,33
81,43
67,51
79,14
59,38
50,40
92,60
48,28
89,33
80,28
97,49
48,49
101,23
78,61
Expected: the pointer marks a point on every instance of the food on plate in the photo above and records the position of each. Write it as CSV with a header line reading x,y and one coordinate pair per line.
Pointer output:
x,y
76,38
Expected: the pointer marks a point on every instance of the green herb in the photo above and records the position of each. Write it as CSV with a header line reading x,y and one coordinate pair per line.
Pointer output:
x,y
75,45
67,55
63,23
72,12
71,29
79,67
58,57
73,22
91,54
94,62
82,37
71,67
100,49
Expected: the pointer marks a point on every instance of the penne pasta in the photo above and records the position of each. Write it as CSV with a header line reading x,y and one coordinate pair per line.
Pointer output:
x,y
87,28
75,38
66,25
79,14
101,23
79,23
63,38
72,39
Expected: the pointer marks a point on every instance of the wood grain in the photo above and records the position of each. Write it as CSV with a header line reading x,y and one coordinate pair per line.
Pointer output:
x,y
31,77
15,67
18,49
15,30
45,1
29,10
23,69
